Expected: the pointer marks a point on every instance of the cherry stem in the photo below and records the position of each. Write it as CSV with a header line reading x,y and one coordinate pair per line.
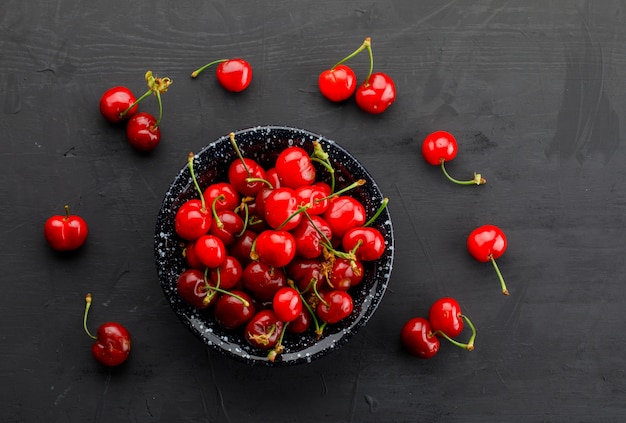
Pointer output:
x,y
136,102
505,291
353,185
158,122
371,56
265,181
236,147
366,44
197,72
302,209
382,207
318,329
278,348
67,212
190,160
246,214
321,157
87,307
478,179
156,86
220,290
469,346
218,221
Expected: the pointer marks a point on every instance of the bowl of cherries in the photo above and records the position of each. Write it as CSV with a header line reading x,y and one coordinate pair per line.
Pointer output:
x,y
274,245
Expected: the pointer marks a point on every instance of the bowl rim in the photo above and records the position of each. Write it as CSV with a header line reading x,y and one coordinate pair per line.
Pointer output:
x,y
193,319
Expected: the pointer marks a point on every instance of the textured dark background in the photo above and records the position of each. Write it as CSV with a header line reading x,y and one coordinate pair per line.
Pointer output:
x,y
534,92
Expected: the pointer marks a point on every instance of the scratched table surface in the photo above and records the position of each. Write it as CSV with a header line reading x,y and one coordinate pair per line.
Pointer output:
x,y
535,94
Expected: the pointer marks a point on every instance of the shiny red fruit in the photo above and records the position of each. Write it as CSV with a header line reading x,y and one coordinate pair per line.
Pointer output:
x,y
142,132
65,233
112,345
264,330
337,84
440,146
486,242
376,94
337,305
275,247
418,339
192,220
445,316
115,101
295,168
287,304
367,243
234,75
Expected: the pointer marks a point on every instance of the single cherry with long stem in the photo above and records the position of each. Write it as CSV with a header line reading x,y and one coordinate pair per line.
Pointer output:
x,y
234,75
440,147
112,346
487,243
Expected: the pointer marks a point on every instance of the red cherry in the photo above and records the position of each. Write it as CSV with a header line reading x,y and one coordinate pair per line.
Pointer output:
x,y
367,243
280,207
264,330
234,75
295,168
242,169
228,273
487,243
337,84
65,233
192,220
440,147
242,247
191,286
308,236
346,273
210,250
275,247
376,94
143,132
262,281
112,346
226,225
301,323
344,212
445,316
418,339
116,101
315,196
222,196
335,306
287,304
233,311
307,273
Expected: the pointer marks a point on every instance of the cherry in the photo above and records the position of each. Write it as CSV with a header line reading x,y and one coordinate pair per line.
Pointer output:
x,y
274,247
190,257
222,195
210,250
65,233
112,345
294,168
376,94
345,273
307,274
301,323
367,243
242,246
440,147
264,330
239,173
227,226
262,281
315,196
143,132
117,104
192,219
335,306
229,273
446,320
339,82
191,286
487,243
287,304
280,209
311,235
234,75
418,338
343,213
235,310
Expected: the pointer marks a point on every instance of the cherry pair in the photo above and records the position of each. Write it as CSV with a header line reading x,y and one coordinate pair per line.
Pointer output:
x,y
119,104
420,335
374,95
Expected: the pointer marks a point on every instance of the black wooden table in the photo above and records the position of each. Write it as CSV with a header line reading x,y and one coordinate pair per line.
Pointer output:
x,y
533,91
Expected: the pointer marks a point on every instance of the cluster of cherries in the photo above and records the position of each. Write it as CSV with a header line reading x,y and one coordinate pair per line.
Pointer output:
x,y
272,250
66,233
486,243
374,95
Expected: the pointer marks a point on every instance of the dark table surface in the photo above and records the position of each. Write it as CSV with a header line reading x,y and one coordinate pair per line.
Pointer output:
x,y
533,91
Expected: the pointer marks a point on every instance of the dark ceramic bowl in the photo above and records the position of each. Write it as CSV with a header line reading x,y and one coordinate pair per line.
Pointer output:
x,y
263,145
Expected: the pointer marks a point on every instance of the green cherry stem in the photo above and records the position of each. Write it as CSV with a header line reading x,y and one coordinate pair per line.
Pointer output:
x,y
233,142
215,289
87,307
469,346
197,72
382,207
321,157
505,291
371,56
478,179
218,221
190,159
366,45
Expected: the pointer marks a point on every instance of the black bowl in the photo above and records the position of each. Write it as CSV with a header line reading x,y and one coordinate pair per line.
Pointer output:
x,y
263,145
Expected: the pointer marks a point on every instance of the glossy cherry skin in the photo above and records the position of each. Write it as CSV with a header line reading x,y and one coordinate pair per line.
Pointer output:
x,y
338,306
279,209
295,168
275,247
192,287
440,146
115,101
367,243
377,94
486,242
112,346
307,273
308,236
240,170
344,212
315,196
65,233
234,75
262,281
242,247
221,196
346,273
226,226
192,220
287,304
337,84
301,323
445,316
230,312
418,339
263,330
210,250
142,132
229,273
